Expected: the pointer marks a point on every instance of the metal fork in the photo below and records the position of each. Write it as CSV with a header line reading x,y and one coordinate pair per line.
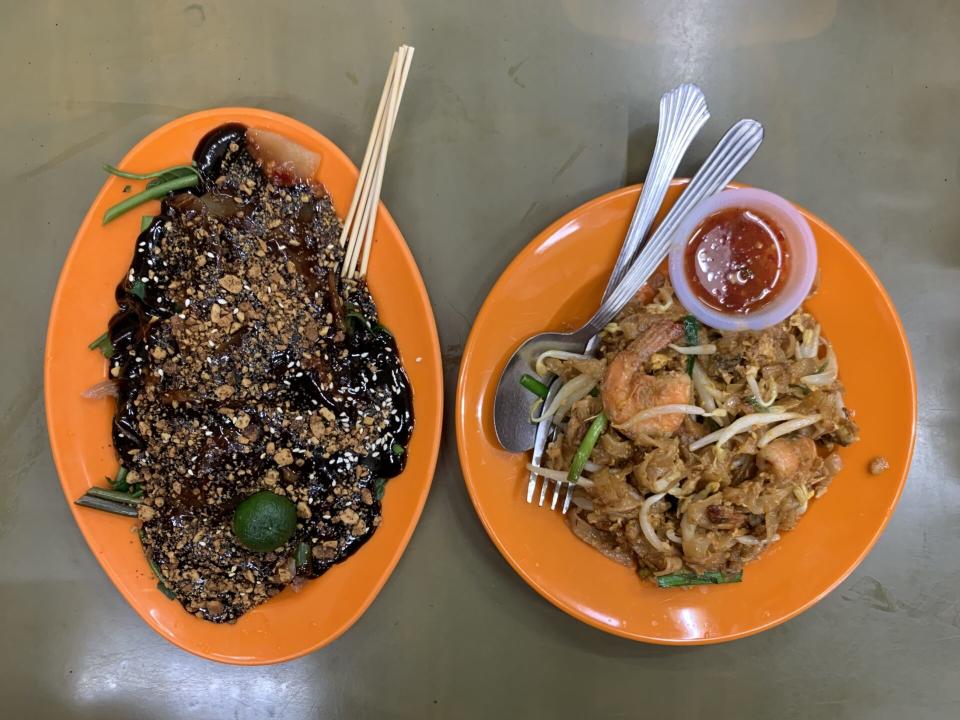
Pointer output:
x,y
733,151
683,111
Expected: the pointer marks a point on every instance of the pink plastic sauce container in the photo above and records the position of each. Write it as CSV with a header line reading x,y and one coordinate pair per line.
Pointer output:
x,y
800,272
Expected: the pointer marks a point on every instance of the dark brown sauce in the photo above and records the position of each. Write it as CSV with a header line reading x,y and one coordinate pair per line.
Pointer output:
x,y
737,260
362,368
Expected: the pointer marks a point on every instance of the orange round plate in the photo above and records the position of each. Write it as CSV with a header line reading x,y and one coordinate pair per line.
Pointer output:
x,y
292,623
555,283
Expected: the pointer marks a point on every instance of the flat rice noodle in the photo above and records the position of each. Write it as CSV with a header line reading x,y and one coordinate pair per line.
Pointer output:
x,y
615,447
599,540
612,492
592,368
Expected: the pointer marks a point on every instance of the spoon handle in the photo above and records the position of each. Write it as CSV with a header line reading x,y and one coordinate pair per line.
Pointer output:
x,y
683,111
733,151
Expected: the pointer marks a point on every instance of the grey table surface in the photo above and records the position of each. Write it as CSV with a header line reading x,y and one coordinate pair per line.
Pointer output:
x,y
515,113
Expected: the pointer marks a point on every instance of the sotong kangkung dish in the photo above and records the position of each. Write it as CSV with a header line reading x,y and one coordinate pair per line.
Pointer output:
x,y
261,405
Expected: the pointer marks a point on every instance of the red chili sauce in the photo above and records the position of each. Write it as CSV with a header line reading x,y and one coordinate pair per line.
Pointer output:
x,y
737,260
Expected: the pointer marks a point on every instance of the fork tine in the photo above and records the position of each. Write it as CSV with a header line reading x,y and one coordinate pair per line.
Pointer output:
x,y
543,436
531,486
556,495
543,491
567,498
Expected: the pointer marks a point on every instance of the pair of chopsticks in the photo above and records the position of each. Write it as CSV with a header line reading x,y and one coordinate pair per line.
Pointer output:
x,y
357,235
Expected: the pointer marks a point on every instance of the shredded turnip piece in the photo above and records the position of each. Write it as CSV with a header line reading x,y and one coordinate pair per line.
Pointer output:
x,y
559,475
670,410
544,371
829,373
747,540
576,389
104,388
647,528
708,349
787,427
741,425
673,537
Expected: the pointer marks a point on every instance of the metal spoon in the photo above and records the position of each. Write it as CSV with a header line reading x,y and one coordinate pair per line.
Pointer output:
x,y
683,111
511,409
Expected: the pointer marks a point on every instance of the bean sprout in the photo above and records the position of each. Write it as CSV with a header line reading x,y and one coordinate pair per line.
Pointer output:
x,y
787,427
670,410
755,389
558,475
741,425
571,392
829,373
647,528
544,371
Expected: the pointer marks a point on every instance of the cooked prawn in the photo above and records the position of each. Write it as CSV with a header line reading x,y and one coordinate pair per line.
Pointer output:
x,y
627,390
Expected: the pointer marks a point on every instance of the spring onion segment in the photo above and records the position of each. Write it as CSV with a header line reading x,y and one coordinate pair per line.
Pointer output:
x,y
110,506
111,170
682,579
103,344
534,386
153,192
589,441
691,332
115,495
303,555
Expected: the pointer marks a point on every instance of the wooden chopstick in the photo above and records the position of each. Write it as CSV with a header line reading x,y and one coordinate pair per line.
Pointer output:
x,y
379,178
362,180
358,230
376,144
359,224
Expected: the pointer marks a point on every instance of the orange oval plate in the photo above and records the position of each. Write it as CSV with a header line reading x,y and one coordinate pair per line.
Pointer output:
x,y
290,624
555,283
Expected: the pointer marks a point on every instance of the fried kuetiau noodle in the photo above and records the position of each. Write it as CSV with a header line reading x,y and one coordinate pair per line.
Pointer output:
x,y
715,443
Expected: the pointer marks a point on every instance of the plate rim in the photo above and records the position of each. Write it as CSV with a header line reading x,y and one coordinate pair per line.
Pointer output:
x,y
434,429
549,595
